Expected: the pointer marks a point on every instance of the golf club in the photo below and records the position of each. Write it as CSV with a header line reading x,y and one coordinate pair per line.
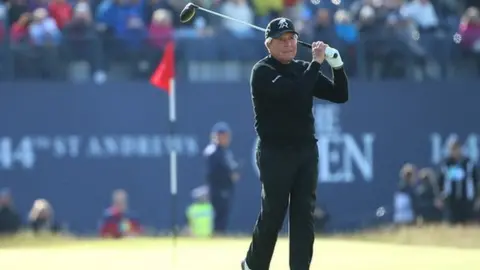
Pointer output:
x,y
189,12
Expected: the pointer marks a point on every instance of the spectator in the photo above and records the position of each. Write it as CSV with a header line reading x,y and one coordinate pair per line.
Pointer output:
x,y
160,30
469,31
241,10
200,214
41,218
370,33
431,34
3,13
118,221
45,38
459,182
19,30
119,16
291,9
222,174
61,12
266,10
81,27
133,31
82,42
422,13
324,29
427,197
403,201
402,52
346,30
44,30
25,63
347,36
17,8
9,219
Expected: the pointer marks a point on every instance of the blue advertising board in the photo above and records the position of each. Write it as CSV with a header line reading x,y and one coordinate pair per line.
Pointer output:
x,y
75,144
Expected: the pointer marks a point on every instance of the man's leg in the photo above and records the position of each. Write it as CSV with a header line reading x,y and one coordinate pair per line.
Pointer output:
x,y
466,212
302,208
455,212
219,209
276,173
221,223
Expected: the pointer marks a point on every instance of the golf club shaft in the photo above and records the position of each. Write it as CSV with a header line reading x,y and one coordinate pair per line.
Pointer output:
x,y
327,52
230,18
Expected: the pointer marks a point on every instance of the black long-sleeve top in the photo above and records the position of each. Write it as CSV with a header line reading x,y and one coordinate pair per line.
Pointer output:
x,y
282,96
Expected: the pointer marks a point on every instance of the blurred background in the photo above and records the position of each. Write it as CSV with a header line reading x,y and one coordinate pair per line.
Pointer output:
x,y
85,139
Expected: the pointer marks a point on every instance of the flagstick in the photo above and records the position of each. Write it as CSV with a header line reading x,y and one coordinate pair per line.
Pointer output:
x,y
173,166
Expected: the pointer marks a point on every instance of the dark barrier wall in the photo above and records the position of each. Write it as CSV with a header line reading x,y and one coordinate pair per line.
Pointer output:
x,y
74,144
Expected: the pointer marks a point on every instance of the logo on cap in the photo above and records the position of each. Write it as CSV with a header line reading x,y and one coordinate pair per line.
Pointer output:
x,y
282,23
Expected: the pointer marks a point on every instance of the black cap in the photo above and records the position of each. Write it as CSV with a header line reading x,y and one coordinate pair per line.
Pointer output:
x,y
278,27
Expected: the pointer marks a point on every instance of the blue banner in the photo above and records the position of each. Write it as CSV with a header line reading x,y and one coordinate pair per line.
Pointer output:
x,y
74,144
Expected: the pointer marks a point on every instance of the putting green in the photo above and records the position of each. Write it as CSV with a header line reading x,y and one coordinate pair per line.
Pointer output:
x,y
225,254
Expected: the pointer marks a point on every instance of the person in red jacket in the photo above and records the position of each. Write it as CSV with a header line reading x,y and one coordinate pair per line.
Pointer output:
x,y
160,30
61,11
19,30
118,221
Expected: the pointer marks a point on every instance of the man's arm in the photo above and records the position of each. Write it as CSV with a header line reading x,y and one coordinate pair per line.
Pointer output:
x,y
476,180
268,80
441,181
335,91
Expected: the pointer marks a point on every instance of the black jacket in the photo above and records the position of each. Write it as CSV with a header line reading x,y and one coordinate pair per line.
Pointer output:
x,y
10,221
459,179
282,96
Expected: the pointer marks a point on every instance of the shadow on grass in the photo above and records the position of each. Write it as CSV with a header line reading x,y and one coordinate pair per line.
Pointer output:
x,y
439,236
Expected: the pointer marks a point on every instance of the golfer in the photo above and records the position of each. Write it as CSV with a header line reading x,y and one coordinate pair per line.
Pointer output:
x,y
287,156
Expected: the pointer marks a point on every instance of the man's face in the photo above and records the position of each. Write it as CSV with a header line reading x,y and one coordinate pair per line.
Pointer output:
x,y
284,48
456,151
408,172
120,201
223,139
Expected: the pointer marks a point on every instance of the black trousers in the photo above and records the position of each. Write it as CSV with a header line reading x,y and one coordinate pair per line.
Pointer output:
x,y
461,211
221,201
289,177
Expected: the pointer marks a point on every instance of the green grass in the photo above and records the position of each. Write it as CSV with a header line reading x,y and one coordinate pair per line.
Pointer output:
x,y
431,248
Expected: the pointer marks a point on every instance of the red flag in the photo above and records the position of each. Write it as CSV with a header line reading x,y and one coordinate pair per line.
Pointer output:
x,y
166,69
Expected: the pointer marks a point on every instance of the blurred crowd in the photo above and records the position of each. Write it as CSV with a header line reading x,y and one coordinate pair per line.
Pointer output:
x,y
117,220
380,39
450,193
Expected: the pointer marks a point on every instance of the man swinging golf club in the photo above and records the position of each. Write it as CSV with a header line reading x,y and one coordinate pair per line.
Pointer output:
x,y
282,91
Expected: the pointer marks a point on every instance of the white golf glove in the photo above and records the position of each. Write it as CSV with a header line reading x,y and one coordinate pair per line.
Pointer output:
x,y
333,62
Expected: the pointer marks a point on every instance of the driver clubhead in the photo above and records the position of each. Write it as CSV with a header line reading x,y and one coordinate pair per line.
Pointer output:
x,y
188,12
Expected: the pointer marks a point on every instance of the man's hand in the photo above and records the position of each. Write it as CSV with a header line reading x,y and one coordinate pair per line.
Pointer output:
x,y
318,51
318,55
335,63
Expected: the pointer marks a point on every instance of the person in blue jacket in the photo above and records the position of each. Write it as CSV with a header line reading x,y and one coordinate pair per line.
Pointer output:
x,y
222,173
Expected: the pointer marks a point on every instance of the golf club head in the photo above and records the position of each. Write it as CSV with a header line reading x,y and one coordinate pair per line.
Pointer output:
x,y
188,12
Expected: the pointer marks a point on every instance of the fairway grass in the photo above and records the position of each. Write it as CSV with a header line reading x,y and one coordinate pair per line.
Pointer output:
x,y
347,253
